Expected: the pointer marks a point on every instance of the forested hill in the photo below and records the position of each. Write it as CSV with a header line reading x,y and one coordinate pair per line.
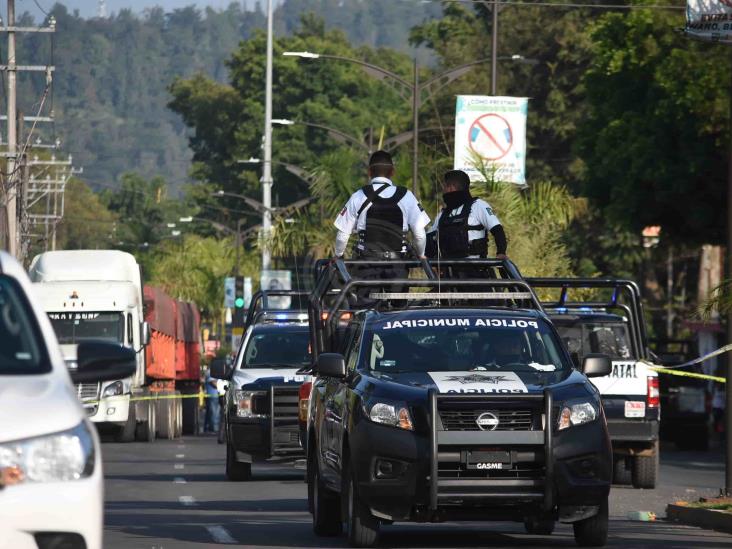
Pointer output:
x,y
112,75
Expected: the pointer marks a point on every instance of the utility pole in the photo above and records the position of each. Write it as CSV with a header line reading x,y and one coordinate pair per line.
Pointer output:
x,y
267,168
11,179
728,274
415,128
494,49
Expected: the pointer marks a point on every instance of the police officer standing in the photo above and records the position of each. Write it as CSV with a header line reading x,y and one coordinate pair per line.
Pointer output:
x,y
381,213
461,228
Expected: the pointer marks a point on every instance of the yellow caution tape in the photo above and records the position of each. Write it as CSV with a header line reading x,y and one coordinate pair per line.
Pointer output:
x,y
155,397
662,370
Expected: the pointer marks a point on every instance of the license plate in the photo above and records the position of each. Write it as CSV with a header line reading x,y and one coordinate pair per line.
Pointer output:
x,y
489,460
635,408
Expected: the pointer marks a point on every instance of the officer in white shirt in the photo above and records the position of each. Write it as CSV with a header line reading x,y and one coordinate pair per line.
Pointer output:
x,y
461,228
381,213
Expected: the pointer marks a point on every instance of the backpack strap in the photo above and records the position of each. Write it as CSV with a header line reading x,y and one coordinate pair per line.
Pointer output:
x,y
371,195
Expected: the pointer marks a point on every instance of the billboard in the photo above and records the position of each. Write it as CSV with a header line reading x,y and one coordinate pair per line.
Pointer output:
x,y
277,280
491,131
709,20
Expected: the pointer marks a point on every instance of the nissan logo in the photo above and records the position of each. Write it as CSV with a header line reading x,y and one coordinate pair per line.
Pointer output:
x,y
487,421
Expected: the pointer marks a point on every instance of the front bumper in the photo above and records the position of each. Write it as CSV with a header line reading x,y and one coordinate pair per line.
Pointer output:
x,y
114,409
71,508
577,475
632,431
277,435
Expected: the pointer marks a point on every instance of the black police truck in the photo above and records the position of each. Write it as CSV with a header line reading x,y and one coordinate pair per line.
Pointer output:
x,y
450,402
261,405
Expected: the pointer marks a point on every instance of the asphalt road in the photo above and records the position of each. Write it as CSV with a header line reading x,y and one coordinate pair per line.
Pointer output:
x,y
173,494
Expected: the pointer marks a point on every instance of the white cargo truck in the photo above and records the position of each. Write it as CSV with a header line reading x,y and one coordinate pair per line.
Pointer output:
x,y
97,294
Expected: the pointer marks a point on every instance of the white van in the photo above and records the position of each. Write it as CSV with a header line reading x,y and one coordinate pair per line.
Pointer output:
x,y
51,481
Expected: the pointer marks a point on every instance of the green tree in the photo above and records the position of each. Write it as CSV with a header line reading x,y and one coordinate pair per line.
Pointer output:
x,y
87,223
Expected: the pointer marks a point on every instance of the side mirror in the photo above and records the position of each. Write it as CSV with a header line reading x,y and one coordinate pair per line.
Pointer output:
x,y
332,365
103,361
596,365
219,368
145,333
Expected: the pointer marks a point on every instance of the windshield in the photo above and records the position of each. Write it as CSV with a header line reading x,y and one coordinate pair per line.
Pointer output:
x,y
20,344
461,344
76,327
277,349
608,338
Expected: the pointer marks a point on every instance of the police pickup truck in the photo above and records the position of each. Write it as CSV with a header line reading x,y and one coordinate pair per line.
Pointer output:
x,y
435,411
609,320
261,410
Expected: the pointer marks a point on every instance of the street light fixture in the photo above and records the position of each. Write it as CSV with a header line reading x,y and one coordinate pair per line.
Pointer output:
x,y
408,90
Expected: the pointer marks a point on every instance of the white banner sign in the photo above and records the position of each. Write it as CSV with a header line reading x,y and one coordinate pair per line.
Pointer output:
x,y
491,131
709,20
277,280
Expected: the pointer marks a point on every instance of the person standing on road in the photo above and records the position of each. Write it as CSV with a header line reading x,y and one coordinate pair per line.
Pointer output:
x,y
461,228
211,423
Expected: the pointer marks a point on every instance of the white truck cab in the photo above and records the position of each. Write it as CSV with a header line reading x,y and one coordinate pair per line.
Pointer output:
x,y
97,294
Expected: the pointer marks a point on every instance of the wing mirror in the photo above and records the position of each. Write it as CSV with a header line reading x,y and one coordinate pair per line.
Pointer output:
x,y
596,365
145,333
103,361
332,365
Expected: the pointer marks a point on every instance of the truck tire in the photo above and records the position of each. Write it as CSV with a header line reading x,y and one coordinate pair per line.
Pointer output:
x,y
165,419
325,506
190,415
621,472
645,470
592,532
235,470
362,528
127,431
539,526
145,431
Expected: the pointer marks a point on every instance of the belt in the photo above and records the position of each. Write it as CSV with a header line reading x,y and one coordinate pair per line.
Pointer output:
x,y
381,255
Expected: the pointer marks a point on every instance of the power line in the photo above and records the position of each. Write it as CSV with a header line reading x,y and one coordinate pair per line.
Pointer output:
x,y
38,5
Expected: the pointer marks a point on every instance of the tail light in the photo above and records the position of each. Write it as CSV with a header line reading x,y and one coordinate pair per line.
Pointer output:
x,y
304,396
653,395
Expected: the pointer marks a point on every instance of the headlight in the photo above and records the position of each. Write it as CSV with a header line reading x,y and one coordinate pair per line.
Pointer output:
x,y
116,388
577,413
68,455
394,414
244,402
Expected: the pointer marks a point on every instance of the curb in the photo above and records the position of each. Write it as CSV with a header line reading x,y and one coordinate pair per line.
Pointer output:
x,y
710,519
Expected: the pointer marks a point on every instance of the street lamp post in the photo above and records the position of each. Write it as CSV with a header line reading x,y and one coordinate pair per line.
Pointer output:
x,y
408,90
267,167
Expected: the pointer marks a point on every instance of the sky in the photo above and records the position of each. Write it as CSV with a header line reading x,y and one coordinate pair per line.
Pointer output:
x,y
88,8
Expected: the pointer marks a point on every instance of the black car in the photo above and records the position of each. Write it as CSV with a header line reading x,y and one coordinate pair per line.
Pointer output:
x,y
262,399
436,413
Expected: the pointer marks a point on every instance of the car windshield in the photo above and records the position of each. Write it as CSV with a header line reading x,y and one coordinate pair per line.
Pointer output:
x,y
76,327
21,350
433,344
277,349
608,338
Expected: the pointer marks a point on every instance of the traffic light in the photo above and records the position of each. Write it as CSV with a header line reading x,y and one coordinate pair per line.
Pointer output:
x,y
239,314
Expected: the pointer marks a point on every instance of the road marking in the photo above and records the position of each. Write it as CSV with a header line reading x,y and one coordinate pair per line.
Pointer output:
x,y
179,456
220,534
178,466
179,480
187,500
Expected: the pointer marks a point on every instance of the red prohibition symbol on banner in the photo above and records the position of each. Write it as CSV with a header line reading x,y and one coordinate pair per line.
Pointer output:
x,y
490,136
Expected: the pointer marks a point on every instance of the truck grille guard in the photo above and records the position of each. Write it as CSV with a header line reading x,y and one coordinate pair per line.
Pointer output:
x,y
284,426
543,488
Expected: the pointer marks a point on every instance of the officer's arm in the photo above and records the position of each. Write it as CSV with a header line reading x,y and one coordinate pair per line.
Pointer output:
x,y
345,222
341,243
417,221
499,235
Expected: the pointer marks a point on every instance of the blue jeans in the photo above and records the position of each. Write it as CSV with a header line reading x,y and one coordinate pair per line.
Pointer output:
x,y
211,424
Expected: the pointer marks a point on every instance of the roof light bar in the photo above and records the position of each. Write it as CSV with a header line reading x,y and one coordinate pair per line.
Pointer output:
x,y
450,295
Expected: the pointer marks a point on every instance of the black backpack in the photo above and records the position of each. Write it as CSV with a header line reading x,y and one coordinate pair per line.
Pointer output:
x,y
452,234
384,221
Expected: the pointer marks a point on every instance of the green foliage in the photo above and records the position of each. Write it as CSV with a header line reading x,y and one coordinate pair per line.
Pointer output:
x,y
87,223
194,269
655,141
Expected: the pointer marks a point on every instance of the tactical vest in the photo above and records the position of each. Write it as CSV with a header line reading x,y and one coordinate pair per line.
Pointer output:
x,y
452,234
384,234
